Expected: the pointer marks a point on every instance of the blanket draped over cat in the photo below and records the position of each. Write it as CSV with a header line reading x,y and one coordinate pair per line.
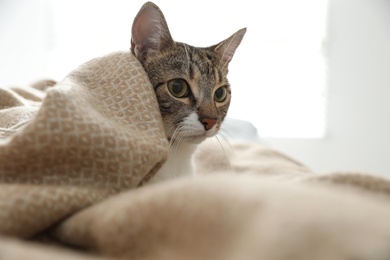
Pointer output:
x,y
70,165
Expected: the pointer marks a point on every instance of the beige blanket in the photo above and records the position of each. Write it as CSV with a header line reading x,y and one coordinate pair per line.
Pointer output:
x,y
73,158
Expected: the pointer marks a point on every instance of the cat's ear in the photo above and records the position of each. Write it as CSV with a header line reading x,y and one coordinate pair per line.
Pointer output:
x,y
150,31
225,49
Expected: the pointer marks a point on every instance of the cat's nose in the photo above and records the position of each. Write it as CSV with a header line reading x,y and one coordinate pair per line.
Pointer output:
x,y
208,123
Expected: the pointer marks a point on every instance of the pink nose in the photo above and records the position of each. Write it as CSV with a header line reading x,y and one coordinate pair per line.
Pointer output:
x,y
208,123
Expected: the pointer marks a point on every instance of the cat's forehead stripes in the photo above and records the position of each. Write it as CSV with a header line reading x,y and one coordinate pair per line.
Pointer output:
x,y
196,69
202,66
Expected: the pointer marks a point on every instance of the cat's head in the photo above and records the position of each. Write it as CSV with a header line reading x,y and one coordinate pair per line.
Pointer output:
x,y
190,83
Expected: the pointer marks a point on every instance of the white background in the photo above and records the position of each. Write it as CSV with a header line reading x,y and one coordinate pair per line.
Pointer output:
x,y
358,87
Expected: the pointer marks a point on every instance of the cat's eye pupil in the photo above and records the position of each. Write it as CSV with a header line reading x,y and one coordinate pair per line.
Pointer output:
x,y
220,94
178,88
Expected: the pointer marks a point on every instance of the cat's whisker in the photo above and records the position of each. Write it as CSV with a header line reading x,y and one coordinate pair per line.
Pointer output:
x,y
171,131
175,144
228,144
225,139
224,152
174,137
226,134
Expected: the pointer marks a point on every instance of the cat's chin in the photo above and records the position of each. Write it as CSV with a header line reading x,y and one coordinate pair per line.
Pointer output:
x,y
197,138
193,139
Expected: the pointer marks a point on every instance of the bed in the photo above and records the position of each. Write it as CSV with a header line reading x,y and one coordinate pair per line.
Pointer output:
x,y
76,157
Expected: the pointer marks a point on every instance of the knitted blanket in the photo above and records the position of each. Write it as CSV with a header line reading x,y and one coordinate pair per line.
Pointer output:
x,y
74,158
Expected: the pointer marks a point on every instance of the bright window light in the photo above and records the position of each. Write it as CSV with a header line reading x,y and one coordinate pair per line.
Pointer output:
x,y
283,90
277,74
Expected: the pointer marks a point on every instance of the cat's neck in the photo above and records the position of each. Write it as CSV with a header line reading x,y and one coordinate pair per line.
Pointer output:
x,y
178,164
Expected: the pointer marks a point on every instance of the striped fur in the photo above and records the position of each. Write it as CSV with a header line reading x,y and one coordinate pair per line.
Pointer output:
x,y
204,69
191,116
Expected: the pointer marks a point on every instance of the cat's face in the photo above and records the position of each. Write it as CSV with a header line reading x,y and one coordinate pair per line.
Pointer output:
x,y
190,83
192,91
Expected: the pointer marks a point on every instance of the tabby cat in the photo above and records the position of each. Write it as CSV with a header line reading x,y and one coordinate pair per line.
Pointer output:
x,y
190,83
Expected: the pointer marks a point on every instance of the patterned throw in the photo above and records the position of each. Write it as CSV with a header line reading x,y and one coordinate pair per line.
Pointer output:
x,y
73,158
98,132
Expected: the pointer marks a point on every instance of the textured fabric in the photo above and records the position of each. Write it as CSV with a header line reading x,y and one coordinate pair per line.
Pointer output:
x,y
96,133
72,158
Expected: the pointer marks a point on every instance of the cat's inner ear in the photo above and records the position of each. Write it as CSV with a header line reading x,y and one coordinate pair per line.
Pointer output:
x,y
150,32
226,49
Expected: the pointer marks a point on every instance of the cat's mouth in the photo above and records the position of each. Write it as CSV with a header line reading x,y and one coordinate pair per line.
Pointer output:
x,y
190,131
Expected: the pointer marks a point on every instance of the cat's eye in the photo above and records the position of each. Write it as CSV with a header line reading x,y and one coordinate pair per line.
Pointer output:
x,y
178,88
220,94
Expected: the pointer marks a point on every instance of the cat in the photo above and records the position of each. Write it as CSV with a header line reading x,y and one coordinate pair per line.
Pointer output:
x,y
190,84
